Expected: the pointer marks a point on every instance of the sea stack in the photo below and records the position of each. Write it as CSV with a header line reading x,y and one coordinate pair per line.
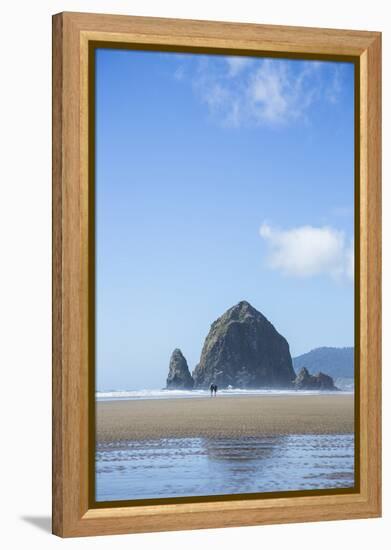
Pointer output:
x,y
307,381
179,377
244,350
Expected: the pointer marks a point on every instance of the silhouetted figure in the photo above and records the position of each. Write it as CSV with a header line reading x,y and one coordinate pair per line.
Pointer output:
x,y
213,390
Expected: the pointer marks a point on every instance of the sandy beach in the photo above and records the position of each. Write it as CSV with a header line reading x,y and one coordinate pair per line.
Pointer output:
x,y
225,416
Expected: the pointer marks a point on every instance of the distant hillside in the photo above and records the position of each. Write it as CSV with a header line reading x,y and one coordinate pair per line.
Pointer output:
x,y
336,362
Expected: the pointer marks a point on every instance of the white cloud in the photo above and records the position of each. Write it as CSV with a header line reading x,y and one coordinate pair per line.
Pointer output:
x,y
309,251
240,90
333,91
269,93
278,94
350,262
236,64
251,91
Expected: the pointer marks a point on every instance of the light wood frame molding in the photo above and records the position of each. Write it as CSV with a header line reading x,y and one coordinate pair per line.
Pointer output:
x,y
72,34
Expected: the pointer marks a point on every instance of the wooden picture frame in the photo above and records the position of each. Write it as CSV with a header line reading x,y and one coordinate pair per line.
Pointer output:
x,y
73,282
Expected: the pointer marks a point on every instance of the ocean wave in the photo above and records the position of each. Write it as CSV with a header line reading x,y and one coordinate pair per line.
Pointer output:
x,y
110,395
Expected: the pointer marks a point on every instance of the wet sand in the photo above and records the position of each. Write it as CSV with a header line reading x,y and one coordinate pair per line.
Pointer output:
x,y
224,416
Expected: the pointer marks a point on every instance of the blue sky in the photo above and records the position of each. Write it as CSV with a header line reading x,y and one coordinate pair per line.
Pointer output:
x,y
219,179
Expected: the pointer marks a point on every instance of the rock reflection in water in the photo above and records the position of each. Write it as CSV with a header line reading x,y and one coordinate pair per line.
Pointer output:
x,y
241,462
243,449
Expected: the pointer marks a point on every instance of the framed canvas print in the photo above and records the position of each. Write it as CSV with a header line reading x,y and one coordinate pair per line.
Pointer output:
x,y
216,274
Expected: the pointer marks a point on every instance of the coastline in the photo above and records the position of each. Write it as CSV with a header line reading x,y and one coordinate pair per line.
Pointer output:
x,y
224,416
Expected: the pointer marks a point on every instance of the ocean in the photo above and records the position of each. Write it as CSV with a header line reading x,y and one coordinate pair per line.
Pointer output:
x,y
113,395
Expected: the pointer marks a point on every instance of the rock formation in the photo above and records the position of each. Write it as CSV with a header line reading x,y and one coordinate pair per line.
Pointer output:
x,y
307,381
337,362
179,377
244,350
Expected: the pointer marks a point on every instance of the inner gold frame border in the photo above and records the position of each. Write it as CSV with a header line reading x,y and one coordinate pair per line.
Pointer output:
x,y
75,37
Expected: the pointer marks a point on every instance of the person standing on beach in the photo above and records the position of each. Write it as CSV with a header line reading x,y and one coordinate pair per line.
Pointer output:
x,y
215,390
212,387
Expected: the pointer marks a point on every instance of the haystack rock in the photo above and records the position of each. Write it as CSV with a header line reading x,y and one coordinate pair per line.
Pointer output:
x,y
307,381
244,350
179,377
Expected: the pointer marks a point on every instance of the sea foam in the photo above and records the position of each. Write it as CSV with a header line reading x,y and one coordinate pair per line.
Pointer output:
x,y
111,395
